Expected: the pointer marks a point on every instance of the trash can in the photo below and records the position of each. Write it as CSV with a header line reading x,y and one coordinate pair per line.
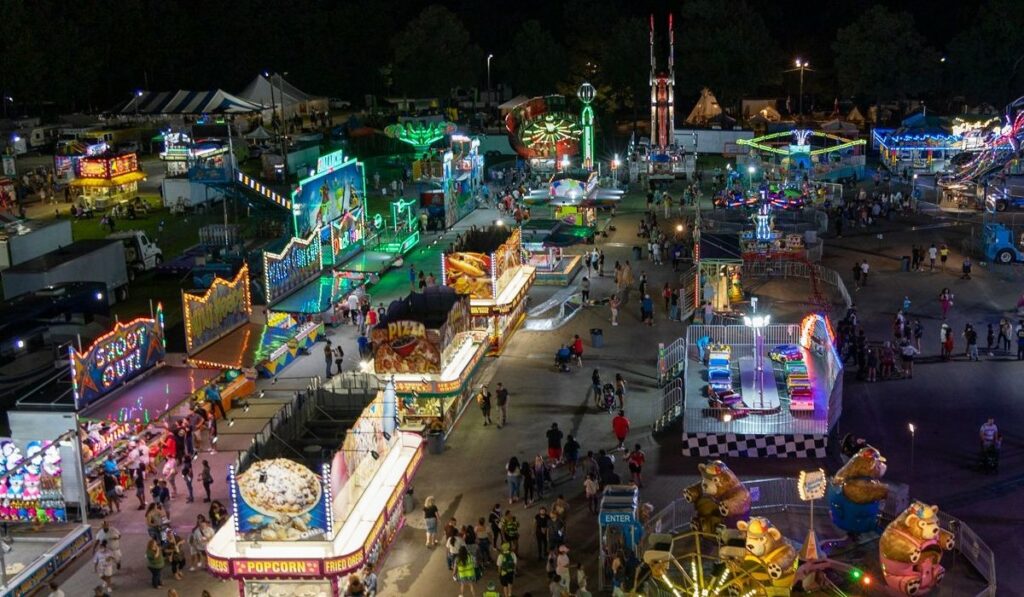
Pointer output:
x,y
905,264
637,253
596,337
435,443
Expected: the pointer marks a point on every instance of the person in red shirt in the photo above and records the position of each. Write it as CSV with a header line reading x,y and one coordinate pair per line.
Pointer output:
x,y
577,350
620,427
636,461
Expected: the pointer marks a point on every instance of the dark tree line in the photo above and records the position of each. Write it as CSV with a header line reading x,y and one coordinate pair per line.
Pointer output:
x,y
92,54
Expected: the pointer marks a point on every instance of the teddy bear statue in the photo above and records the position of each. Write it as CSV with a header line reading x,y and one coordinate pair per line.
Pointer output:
x,y
759,550
856,494
910,550
719,499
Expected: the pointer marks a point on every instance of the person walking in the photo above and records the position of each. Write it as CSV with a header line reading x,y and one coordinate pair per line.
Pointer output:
x,y
155,562
945,301
112,536
907,353
595,387
620,390
430,520
529,485
198,539
483,398
943,255
103,563
453,544
864,267
339,356
613,305
946,338
591,491
465,571
585,288
483,543
620,428
513,476
571,454
1005,329
510,530
636,460
554,436
214,398
933,253
856,276
187,476
541,522
507,566
502,397
206,477
494,519
647,310
1020,344
174,553
328,358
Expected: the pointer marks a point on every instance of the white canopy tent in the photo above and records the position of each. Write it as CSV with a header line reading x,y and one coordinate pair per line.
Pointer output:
x,y
216,101
257,134
274,92
705,110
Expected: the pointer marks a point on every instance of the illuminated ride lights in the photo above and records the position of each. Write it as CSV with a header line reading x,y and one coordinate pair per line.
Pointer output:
x,y
802,136
300,260
421,135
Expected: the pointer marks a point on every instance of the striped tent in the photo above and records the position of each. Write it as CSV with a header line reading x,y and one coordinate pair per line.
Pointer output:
x,y
217,101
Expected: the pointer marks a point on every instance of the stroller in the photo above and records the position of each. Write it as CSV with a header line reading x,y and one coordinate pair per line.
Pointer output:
x,y
606,399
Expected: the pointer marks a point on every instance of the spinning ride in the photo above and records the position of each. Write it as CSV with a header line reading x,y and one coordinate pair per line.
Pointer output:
x,y
812,155
543,129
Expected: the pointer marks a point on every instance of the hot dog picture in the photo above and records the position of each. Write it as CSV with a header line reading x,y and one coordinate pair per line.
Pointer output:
x,y
469,273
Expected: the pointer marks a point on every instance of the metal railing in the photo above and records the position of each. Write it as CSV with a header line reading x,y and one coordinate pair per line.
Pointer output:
x,y
671,404
780,495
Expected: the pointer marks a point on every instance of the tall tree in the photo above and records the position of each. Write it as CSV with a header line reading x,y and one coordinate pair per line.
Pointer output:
x,y
433,54
987,60
535,63
883,56
726,47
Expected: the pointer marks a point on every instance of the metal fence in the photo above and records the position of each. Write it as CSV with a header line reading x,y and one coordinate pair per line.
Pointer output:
x,y
671,404
780,495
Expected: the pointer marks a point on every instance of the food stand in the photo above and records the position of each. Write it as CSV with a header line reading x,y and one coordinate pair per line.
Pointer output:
x,y
296,533
488,265
220,335
104,180
425,346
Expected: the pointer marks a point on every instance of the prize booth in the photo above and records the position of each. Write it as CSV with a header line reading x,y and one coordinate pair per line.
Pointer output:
x,y
121,394
425,345
298,533
219,333
488,265
104,180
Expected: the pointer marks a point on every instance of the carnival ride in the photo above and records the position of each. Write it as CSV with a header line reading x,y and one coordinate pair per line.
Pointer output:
x,y
785,197
807,153
725,550
1002,145
543,128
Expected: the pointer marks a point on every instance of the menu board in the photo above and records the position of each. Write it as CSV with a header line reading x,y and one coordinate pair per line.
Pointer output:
x,y
280,500
117,357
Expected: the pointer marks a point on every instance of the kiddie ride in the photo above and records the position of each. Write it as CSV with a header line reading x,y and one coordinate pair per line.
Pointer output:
x,y
778,198
725,551
1000,245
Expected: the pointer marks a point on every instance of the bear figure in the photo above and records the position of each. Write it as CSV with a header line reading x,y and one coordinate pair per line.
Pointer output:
x,y
910,550
719,498
855,495
769,557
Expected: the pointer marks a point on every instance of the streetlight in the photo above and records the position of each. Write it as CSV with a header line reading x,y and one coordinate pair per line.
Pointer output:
x,y
489,56
750,176
801,65
6,99
757,323
913,436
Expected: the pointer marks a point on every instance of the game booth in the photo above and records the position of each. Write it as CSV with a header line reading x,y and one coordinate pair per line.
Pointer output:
x,y
104,180
488,265
41,493
760,389
219,332
456,174
425,345
921,143
294,532
121,393
553,266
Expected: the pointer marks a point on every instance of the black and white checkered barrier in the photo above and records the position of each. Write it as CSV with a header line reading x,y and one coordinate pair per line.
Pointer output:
x,y
754,446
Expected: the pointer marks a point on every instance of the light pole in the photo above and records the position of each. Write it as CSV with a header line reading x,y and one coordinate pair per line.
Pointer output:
x,y
913,435
801,65
4,101
757,323
750,176
489,56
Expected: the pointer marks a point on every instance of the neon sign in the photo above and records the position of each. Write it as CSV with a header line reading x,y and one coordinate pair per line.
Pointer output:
x,y
222,308
117,357
107,167
283,272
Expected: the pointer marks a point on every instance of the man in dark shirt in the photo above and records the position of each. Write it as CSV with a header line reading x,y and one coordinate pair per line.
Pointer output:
x,y
555,443
540,531
502,396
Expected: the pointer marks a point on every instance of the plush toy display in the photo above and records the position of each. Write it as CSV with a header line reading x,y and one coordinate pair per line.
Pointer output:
x,y
855,495
719,498
911,550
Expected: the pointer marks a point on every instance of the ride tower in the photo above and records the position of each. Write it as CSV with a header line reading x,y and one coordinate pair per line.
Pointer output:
x,y
663,95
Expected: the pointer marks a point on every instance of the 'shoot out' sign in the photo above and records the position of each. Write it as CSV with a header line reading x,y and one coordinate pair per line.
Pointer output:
x,y
115,358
